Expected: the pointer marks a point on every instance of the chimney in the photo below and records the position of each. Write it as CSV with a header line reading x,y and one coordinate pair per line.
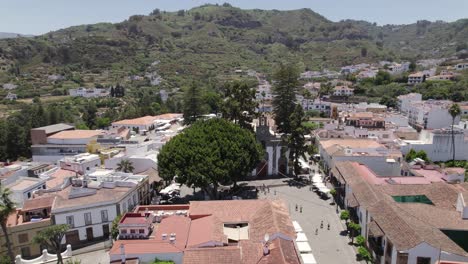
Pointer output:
x,y
172,239
164,236
122,253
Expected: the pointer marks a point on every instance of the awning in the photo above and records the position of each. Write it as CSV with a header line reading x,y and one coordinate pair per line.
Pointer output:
x,y
301,237
324,190
319,185
304,247
297,227
308,258
374,230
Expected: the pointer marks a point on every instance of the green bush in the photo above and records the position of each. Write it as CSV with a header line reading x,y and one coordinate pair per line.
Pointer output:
x,y
360,241
364,254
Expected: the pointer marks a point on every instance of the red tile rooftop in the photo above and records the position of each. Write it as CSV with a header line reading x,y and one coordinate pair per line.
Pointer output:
x,y
179,225
133,218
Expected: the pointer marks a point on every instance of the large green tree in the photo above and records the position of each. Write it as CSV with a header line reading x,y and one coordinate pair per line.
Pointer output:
x,y
192,104
51,237
454,111
208,154
239,104
296,138
7,207
284,99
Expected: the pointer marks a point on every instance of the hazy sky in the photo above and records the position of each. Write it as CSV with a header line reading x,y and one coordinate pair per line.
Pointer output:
x,y
42,16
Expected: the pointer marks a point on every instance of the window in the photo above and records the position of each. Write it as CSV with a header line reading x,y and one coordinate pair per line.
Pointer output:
x,y
104,216
23,238
29,195
389,249
71,221
141,231
87,217
25,252
402,258
132,231
423,260
123,231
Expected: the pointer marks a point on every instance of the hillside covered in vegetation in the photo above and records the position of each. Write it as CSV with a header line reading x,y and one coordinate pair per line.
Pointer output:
x,y
209,42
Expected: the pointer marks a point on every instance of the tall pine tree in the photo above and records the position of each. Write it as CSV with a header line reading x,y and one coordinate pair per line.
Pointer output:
x,y
284,96
192,104
296,139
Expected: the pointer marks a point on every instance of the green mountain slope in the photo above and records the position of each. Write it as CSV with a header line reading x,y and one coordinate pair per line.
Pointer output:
x,y
209,41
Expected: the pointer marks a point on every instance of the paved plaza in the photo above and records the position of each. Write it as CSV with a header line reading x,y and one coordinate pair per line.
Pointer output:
x,y
328,246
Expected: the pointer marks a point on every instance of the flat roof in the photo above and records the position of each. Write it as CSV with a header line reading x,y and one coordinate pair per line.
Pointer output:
x,y
76,134
55,128
24,183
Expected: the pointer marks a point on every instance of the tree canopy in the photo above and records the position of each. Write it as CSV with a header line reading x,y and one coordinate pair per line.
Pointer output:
x,y
239,104
7,206
208,154
284,96
51,237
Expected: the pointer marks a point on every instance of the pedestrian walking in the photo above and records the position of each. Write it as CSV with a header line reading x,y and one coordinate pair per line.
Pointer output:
x,y
328,226
301,209
316,231
296,207
321,224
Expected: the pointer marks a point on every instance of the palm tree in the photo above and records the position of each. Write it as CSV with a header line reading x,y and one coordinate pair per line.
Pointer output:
x,y
7,207
454,111
125,166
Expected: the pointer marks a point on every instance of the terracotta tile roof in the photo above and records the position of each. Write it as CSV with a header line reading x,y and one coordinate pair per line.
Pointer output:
x,y
214,255
133,218
144,247
204,230
281,249
38,203
352,143
72,134
145,120
180,225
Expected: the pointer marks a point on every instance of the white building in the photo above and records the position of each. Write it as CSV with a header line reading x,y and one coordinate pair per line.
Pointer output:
x,y
317,105
9,86
81,163
405,101
89,203
438,144
23,188
461,66
343,91
431,114
416,78
404,223
376,156
11,96
64,143
89,92
398,68
147,123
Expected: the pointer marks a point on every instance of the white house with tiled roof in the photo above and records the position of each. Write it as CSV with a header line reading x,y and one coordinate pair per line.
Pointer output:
x,y
229,232
405,223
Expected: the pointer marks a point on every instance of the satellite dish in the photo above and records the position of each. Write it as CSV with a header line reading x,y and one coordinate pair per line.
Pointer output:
x,y
266,238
